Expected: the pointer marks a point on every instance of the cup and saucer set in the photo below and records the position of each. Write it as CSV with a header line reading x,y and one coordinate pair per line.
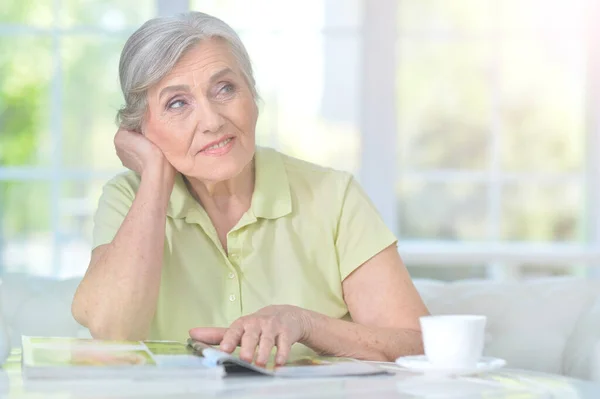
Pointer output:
x,y
453,346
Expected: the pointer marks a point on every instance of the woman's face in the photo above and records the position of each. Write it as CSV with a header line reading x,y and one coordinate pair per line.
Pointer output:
x,y
202,115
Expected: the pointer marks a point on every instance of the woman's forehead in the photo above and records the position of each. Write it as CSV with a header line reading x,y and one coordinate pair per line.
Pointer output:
x,y
201,64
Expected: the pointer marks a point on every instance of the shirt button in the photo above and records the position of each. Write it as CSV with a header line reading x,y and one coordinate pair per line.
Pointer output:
x,y
231,275
232,297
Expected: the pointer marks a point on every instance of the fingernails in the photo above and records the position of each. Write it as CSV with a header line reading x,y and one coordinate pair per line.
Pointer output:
x,y
226,347
280,360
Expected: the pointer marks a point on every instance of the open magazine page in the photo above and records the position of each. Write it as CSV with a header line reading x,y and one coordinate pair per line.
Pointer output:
x,y
327,366
75,357
303,367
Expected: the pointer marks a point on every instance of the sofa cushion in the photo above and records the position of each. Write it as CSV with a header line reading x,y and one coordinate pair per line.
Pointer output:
x,y
529,323
34,305
581,357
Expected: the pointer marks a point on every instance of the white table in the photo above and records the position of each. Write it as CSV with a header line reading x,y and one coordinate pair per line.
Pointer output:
x,y
500,384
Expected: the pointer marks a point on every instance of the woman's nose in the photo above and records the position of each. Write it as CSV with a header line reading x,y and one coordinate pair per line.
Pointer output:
x,y
210,119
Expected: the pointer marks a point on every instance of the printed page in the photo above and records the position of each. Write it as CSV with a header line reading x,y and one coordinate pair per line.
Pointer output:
x,y
72,358
76,352
301,367
174,354
326,366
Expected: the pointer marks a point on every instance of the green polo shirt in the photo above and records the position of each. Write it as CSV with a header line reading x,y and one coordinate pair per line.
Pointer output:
x,y
307,229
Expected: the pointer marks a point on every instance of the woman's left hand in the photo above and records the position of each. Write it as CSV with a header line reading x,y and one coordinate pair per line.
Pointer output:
x,y
276,325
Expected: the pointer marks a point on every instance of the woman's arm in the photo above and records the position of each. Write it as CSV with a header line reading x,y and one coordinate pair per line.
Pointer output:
x,y
385,308
382,300
117,297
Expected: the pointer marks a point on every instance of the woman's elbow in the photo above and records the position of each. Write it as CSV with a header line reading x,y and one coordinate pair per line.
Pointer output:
x,y
96,325
407,342
415,346
103,327
78,310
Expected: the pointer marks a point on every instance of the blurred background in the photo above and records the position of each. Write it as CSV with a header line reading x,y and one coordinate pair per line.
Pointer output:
x,y
473,124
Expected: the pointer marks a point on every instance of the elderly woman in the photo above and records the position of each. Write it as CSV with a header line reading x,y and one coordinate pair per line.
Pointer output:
x,y
235,245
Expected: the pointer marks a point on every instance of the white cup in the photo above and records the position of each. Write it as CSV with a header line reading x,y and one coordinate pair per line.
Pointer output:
x,y
453,341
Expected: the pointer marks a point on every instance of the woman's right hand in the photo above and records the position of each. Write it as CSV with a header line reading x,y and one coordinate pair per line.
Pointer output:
x,y
138,153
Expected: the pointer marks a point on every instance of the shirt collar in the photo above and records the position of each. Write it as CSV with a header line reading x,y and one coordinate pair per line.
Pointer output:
x,y
271,199
181,201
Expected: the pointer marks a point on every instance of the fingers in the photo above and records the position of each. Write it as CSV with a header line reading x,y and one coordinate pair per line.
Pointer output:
x,y
232,337
250,337
265,346
122,135
257,334
284,346
209,335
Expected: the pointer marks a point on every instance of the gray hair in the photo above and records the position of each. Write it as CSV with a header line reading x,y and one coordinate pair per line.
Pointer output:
x,y
154,49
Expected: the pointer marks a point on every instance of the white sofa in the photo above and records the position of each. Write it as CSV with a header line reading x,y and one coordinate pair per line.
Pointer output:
x,y
550,325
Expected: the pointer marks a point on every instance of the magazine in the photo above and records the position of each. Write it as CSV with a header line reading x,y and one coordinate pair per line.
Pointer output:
x,y
304,367
72,358
52,357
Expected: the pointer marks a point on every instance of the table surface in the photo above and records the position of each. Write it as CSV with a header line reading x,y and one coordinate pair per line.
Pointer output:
x,y
503,383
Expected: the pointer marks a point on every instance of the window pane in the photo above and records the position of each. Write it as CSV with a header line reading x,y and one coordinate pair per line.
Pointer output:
x,y
25,73
25,235
26,239
79,200
444,105
342,13
250,15
542,16
107,14
309,109
306,16
91,98
542,213
444,15
442,211
26,12
74,255
543,105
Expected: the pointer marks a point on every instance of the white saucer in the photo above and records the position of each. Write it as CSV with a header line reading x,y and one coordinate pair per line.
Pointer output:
x,y
421,363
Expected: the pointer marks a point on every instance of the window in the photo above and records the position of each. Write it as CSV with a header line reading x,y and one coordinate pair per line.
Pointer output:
x,y
306,59
58,96
492,133
468,122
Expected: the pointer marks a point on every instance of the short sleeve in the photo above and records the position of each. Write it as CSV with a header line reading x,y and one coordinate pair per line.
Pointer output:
x,y
114,204
361,232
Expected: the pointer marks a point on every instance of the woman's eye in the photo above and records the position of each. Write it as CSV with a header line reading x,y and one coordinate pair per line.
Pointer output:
x,y
227,89
176,104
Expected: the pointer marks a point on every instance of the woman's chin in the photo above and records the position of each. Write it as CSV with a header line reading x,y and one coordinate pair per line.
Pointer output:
x,y
216,175
214,170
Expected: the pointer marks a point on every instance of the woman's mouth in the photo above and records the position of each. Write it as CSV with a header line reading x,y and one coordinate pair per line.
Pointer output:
x,y
219,148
